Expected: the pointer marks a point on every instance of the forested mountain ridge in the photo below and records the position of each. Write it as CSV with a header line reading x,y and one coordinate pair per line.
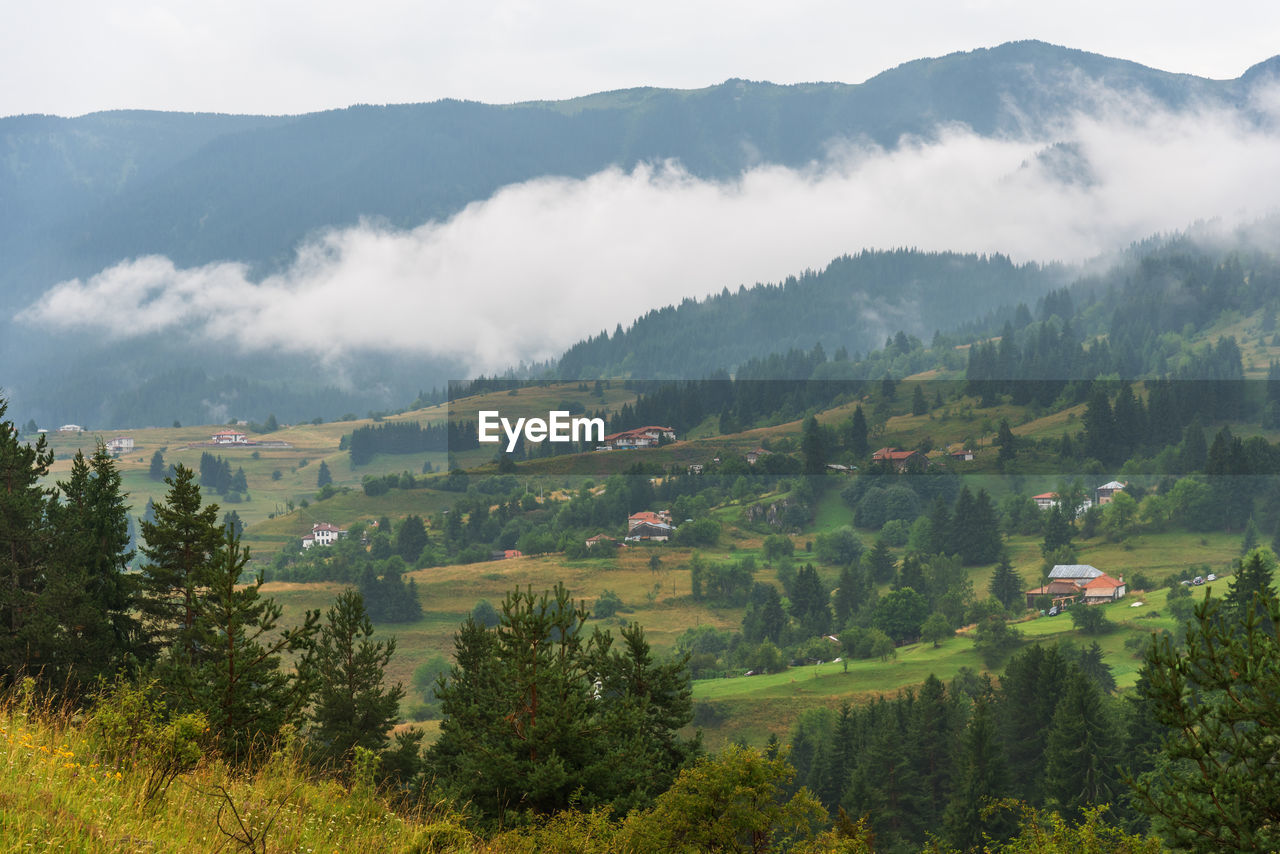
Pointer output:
x,y
80,194
854,304
1143,314
88,191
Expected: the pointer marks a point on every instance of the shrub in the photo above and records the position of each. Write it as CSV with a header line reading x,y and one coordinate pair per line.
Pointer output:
x,y
1090,619
607,605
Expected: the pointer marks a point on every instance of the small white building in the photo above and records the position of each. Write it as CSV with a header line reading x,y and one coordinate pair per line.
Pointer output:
x,y
70,428
120,445
322,534
1047,500
229,437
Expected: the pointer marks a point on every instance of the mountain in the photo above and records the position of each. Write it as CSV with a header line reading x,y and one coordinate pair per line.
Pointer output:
x,y
80,194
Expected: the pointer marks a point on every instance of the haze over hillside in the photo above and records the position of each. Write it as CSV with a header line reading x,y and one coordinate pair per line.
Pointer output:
x,y
339,261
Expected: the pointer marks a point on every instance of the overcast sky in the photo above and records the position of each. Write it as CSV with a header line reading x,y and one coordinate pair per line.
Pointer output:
x,y
70,57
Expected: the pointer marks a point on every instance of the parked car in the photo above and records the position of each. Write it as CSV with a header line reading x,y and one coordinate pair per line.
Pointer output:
x,y
1199,579
1053,612
1211,577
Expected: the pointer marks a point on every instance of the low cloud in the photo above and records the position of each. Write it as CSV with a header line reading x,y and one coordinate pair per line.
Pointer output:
x,y
544,263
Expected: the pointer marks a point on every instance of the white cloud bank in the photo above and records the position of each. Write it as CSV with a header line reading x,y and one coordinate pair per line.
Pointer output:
x,y
544,263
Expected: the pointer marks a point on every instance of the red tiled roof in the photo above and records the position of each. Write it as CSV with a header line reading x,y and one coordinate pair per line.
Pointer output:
x,y
893,454
1103,581
1052,495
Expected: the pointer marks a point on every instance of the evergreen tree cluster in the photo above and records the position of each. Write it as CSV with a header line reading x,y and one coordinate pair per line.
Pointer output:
x,y
216,475
408,437
929,760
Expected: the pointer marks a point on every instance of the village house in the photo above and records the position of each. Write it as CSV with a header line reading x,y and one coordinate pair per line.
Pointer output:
x,y
322,534
1045,500
1103,589
649,526
753,456
1108,490
229,437
1076,582
962,456
1063,593
120,445
70,428
1081,573
900,460
638,437
599,539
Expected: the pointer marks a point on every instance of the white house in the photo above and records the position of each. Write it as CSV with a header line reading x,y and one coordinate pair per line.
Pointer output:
x,y
322,534
70,428
120,445
1045,500
639,437
229,437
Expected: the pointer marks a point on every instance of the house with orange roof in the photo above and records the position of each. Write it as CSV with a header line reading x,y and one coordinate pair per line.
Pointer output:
x,y
1103,589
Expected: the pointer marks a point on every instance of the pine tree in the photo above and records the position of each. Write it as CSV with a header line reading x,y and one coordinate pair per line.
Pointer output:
x,y
932,730
919,406
981,777
1006,584
1029,692
813,447
180,549
893,786
411,539
1250,541
157,469
1213,787
353,707
985,541
1249,585
1058,530
1091,664
858,434
879,562
516,729
24,546
90,595
323,477
233,669
640,704
855,589
940,522
1195,450
1099,427
1007,441
1081,750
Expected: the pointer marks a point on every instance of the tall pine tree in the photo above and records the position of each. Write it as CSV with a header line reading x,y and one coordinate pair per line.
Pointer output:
x,y
180,549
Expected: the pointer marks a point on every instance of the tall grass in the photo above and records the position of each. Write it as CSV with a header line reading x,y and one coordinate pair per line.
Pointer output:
x,y
57,795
